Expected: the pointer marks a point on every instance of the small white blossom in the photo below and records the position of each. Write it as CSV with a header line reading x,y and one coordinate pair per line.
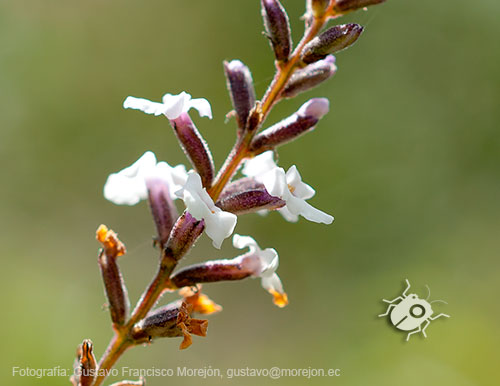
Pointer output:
x,y
218,224
172,106
290,188
128,186
256,167
268,261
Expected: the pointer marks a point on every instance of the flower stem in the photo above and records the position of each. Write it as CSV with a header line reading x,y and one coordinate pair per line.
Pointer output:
x,y
284,72
121,340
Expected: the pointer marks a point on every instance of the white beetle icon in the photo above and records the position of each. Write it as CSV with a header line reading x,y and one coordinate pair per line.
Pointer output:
x,y
411,312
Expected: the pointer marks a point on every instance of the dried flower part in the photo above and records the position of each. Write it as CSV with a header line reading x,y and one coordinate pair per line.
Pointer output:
x,y
195,147
309,77
140,382
212,271
87,363
279,299
114,285
185,232
241,90
162,208
250,201
332,40
190,325
170,321
277,28
303,121
344,6
199,302
113,247
317,7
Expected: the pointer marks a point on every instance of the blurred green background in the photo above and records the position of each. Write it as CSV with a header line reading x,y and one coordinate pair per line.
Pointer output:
x,y
407,161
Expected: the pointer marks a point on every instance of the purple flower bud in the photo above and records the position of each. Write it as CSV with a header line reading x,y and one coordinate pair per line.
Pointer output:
x,y
185,232
240,185
195,147
212,271
277,28
114,285
309,77
344,6
332,40
241,90
116,292
162,208
303,121
249,201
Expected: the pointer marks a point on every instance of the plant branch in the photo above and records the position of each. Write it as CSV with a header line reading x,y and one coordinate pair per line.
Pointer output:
x,y
122,339
284,71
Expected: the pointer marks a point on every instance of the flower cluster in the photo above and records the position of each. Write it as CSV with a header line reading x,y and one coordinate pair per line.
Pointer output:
x,y
211,202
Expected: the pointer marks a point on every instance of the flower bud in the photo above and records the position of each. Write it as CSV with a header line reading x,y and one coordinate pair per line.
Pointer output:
x,y
277,28
303,121
309,77
242,184
332,40
87,363
212,271
241,90
344,6
116,292
170,321
162,208
185,232
249,201
195,147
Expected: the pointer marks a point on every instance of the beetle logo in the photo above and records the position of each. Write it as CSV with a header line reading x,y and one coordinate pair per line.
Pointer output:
x,y
411,313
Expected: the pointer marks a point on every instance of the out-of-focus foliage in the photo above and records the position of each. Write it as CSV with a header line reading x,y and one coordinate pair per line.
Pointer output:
x,y
407,161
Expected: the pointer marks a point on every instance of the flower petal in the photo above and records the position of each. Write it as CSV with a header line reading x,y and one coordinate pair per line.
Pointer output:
x,y
242,242
275,183
144,105
298,206
202,105
128,187
175,105
218,224
259,165
300,189
287,215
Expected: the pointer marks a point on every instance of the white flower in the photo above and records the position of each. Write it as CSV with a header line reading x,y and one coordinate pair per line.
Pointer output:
x,y
172,106
128,186
218,224
258,166
290,188
269,261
